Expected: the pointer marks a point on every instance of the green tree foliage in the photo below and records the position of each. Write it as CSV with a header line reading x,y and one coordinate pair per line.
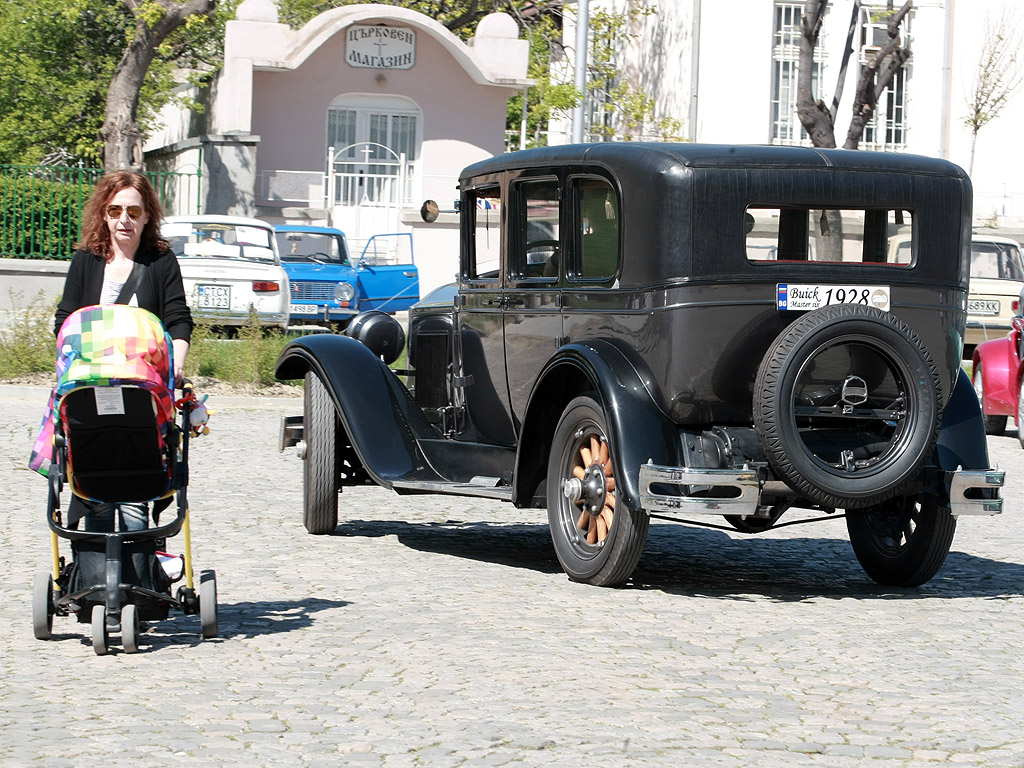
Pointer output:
x,y
59,57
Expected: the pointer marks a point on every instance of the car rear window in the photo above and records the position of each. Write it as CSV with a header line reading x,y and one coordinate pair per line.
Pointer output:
x,y
223,240
1000,261
846,236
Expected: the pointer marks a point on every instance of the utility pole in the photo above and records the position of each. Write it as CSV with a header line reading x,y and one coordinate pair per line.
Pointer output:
x,y
582,30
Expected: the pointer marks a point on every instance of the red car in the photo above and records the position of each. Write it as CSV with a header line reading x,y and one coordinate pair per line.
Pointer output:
x,y
998,374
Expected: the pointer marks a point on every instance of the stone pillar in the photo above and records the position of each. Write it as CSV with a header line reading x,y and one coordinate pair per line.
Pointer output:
x,y
229,174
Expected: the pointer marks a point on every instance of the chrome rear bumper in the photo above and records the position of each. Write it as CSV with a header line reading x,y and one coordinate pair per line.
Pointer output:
x,y
737,492
963,481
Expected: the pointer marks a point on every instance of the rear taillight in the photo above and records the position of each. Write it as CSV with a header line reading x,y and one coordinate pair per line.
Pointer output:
x,y
1015,306
265,286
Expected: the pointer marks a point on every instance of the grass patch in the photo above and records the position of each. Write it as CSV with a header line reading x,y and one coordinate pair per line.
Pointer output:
x,y
246,358
27,344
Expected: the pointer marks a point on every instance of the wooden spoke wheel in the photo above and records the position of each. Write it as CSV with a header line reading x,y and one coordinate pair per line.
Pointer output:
x,y
597,537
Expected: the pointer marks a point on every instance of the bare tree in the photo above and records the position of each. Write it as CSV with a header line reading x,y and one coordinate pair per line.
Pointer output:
x,y
999,75
154,21
877,74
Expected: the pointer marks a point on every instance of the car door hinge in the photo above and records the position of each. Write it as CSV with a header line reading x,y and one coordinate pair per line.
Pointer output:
x,y
463,381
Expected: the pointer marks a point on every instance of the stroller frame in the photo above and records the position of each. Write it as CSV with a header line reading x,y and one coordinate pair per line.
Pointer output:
x,y
118,610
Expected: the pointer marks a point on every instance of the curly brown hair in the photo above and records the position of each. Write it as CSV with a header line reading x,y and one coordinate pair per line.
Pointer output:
x,y
96,235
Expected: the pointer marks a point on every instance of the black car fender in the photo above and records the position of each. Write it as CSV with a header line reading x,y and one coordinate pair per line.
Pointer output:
x,y
962,442
378,414
638,430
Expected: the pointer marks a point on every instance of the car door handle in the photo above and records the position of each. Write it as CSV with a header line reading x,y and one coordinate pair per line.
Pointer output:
x,y
408,274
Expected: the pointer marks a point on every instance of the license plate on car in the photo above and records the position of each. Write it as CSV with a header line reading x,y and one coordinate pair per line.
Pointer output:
x,y
982,307
790,296
303,309
215,297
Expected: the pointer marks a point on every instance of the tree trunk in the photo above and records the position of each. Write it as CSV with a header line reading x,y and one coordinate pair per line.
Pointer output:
x,y
122,138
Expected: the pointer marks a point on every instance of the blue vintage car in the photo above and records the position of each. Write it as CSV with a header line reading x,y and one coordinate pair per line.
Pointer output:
x,y
329,288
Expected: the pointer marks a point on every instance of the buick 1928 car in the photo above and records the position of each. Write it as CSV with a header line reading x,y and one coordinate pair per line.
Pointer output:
x,y
702,332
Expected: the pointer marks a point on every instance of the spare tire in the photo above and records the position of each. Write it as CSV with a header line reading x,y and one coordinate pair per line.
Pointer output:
x,y
846,405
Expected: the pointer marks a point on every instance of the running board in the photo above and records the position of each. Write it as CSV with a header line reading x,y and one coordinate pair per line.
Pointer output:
x,y
485,487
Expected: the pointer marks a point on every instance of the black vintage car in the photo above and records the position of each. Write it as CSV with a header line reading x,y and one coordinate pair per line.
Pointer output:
x,y
679,331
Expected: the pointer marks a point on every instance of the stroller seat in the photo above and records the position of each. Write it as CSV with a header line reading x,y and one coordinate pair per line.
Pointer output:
x,y
116,447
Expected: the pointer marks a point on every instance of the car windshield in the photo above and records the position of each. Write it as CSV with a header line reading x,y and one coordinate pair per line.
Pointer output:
x,y
1000,261
190,239
319,247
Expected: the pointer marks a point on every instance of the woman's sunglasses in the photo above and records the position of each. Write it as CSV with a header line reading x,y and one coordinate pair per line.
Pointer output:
x,y
115,211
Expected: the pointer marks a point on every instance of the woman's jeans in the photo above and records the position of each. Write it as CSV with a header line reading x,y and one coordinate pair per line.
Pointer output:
x,y
99,515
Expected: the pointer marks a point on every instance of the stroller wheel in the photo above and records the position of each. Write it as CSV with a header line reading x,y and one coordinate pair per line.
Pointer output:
x,y
42,606
208,603
130,628
99,630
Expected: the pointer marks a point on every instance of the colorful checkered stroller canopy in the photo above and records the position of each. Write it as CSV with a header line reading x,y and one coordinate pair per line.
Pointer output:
x,y
114,401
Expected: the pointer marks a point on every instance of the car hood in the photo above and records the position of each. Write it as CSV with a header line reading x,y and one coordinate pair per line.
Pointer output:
x,y
311,271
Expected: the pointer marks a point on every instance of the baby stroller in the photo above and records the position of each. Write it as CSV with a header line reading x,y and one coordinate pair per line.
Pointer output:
x,y
110,434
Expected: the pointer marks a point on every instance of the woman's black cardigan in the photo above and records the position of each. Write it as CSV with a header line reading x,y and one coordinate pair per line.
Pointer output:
x,y
160,289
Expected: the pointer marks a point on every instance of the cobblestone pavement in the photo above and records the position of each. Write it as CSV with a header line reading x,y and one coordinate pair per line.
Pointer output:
x,y
440,631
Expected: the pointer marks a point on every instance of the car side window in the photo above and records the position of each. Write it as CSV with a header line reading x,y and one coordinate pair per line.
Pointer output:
x,y
598,229
485,251
839,236
535,244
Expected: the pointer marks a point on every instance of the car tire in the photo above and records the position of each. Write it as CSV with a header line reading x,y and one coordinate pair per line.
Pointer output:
x,y
807,406
597,537
1020,413
994,425
321,466
903,541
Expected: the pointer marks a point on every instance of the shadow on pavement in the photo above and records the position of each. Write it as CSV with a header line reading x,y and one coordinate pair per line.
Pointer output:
x,y
236,621
694,561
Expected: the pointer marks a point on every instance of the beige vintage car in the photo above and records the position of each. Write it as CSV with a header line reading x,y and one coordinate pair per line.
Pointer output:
x,y
997,277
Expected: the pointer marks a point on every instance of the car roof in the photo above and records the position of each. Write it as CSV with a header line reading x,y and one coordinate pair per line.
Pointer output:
x,y
663,156
311,229
976,238
216,218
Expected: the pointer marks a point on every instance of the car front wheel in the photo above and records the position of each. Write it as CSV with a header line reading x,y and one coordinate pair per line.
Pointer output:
x,y
597,537
901,542
994,425
1020,413
321,466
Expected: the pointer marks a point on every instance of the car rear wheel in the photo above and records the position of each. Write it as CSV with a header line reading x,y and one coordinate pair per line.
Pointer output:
x,y
597,537
846,405
994,425
321,467
902,542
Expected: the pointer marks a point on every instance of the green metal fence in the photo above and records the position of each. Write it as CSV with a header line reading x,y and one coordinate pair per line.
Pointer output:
x,y
41,206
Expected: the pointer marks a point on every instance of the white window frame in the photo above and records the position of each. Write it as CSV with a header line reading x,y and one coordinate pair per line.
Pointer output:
x,y
375,162
887,129
786,127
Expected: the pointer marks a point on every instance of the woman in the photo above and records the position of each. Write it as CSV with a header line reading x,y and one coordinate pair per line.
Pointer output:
x,y
122,259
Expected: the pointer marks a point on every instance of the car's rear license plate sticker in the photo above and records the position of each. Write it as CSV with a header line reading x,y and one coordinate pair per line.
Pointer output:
x,y
215,296
983,306
793,296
